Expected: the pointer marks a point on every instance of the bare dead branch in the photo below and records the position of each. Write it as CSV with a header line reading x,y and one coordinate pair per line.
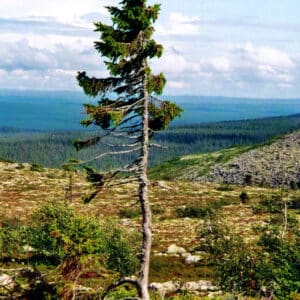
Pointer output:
x,y
108,154
122,145
121,182
157,146
125,135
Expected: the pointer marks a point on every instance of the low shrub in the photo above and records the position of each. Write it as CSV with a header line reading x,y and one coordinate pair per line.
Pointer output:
x,y
36,168
269,204
269,267
194,211
244,197
225,188
13,238
202,211
121,250
57,231
130,213
294,202
157,210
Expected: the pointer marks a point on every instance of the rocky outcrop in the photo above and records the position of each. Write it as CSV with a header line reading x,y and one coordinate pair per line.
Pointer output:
x,y
273,165
191,287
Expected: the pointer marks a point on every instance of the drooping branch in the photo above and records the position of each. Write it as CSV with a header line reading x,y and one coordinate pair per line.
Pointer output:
x,y
120,282
106,154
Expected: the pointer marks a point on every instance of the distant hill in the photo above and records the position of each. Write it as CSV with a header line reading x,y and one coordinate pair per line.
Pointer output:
x,y
63,110
274,164
53,148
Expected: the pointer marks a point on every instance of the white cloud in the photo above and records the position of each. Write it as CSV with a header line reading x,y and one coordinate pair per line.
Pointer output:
x,y
267,56
33,79
181,85
221,64
179,24
64,11
264,64
51,40
21,54
172,63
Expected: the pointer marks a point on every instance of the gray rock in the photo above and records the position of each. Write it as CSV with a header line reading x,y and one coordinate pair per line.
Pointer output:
x,y
175,250
201,285
192,259
162,288
6,280
28,248
272,165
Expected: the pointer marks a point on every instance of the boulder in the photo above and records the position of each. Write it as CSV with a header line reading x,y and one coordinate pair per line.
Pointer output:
x,y
162,288
6,281
201,285
28,248
192,259
175,250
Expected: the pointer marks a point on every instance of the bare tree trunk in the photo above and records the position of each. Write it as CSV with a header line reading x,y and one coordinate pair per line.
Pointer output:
x,y
285,219
144,201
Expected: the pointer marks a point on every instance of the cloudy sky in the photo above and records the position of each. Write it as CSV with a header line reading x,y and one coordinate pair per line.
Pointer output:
x,y
212,47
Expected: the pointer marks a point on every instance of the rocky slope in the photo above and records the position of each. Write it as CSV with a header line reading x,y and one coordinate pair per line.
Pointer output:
x,y
272,165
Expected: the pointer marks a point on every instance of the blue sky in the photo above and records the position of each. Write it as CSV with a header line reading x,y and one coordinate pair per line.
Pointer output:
x,y
245,48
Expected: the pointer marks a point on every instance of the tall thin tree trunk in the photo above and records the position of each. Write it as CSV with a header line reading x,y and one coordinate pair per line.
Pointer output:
x,y
143,198
285,219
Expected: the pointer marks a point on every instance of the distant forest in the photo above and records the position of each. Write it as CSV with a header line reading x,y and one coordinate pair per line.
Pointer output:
x,y
52,149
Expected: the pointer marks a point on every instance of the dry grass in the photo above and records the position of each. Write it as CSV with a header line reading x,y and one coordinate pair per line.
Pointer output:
x,y
22,190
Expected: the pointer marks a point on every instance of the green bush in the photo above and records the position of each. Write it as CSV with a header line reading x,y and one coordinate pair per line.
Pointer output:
x,y
217,239
294,202
55,227
36,168
244,197
283,264
57,231
267,204
194,211
271,266
130,213
202,211
13,238
157,210
121,254
225,188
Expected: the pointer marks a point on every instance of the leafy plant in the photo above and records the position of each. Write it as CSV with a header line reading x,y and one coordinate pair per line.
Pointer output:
x,y
13,238
58,231
269,267
121,254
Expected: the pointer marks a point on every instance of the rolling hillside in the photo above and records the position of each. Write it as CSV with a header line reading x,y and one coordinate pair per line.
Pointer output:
x,y
180,213
273,164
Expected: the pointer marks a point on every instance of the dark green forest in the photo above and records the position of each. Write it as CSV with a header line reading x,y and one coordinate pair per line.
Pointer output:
x,y
52,149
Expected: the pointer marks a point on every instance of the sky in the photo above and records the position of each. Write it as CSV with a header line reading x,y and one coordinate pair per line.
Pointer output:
x,y
240,48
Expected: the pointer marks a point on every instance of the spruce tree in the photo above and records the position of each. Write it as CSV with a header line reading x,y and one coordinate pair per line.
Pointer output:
x,y
128,109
